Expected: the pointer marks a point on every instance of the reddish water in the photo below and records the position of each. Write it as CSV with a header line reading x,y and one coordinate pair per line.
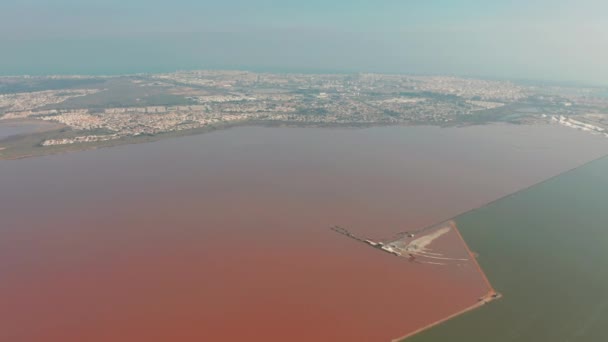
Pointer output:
x,y
224,236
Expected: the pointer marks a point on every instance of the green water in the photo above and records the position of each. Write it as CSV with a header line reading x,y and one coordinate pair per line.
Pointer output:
x,y
546,250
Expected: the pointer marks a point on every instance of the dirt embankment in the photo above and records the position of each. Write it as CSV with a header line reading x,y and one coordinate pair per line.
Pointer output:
x,y
490,296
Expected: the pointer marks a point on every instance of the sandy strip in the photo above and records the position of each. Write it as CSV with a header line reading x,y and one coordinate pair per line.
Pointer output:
x,y
423,242
486,299
422,255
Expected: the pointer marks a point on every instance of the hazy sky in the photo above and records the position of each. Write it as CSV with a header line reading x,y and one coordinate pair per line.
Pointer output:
x,y
531,39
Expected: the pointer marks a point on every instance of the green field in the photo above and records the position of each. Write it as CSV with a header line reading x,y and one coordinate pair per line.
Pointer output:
x,y
546,250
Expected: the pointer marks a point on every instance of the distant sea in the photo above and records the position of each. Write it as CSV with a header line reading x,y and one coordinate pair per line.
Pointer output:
x,y
153,55
283,52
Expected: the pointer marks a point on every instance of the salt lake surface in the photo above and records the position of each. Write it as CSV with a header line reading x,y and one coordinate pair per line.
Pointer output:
x,y
224,236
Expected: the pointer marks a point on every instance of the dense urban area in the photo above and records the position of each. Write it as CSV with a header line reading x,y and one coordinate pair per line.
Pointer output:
x,y
90,111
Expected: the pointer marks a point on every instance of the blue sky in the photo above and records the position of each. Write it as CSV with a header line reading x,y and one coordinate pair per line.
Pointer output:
x,y
534,39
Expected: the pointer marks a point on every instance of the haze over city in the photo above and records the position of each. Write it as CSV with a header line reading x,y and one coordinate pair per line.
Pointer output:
x,y
545,40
